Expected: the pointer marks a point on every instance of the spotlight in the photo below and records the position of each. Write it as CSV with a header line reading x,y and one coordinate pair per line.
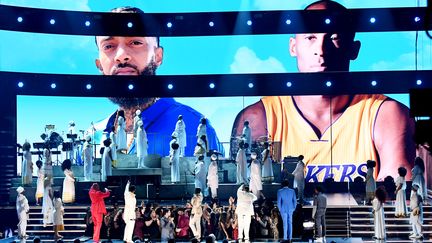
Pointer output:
x,y
251,85
417,19
211,23
52,21
88,86
130,86
129,24
170,86
328,83
249,22
327,21
288,21
418,82
53,86
20,84
372,20
20,19
288,84
87,23
374,83
169,24
211,85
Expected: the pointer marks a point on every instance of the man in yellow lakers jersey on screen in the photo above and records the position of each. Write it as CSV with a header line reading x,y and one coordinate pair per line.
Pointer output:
x,y
336,134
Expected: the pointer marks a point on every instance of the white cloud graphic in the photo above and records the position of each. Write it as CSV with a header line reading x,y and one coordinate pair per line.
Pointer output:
x,y
75,5
246,61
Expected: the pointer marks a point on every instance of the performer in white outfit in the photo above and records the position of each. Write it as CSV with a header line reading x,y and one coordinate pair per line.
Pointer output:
x,y
418,178
88,159
142,144
212,176
247,135
129,212
40,182
196,214
200,174
106,160
23,209
416,216
136,119
202,128
58,215
121,131
47,162
267,170
47,203
241,164
378,212
68,182
71,132
244,211
27,165
299,178
180,129
113,146
400,204
370,182
201,148
174,158
255,184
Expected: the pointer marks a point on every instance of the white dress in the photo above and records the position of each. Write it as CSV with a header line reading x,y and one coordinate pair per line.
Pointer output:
x,y
121,134
241,167
47,164
255,184
267,170
106,164
113,145
68,187
370,183
247,135
200,175
180,129
58,211
40,184
27,168
419,179
88,161
175,163
142,144
47,207
400,204
380,231
213,178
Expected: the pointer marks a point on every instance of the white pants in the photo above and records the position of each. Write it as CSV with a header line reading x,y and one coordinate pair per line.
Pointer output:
x,y
195,225
129,228
416,224
22,225
244,222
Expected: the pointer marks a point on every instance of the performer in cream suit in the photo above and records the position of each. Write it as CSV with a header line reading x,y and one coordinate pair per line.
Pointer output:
x,y
22,208
212,176
196,213
88,159
180,129
129,212
244,211
142,144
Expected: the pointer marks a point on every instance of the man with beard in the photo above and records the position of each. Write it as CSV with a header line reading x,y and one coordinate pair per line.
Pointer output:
x,y
132,55
336,134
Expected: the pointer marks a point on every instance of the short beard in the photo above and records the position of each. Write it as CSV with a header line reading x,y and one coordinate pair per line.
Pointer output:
x,y
128,102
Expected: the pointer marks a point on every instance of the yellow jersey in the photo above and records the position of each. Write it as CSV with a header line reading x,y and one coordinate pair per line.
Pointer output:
x,y
349,146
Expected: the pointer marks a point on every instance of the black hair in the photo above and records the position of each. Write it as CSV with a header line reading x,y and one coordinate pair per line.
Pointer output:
x,y
285,183
241,144
121,113
77,241
370,164
246,145
107,142
203,121
319,189
381,194
175,146
67,164
420,163
402,171
201,157
36,240
246,123
301,157
197,190
39,163
26,146
132,188
56,194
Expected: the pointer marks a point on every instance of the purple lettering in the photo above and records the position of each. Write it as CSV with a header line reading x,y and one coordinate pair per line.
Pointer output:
x,y
348,171
361,171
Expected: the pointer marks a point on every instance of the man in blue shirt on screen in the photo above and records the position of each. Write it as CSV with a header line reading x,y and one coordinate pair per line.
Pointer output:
x,y
132,55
